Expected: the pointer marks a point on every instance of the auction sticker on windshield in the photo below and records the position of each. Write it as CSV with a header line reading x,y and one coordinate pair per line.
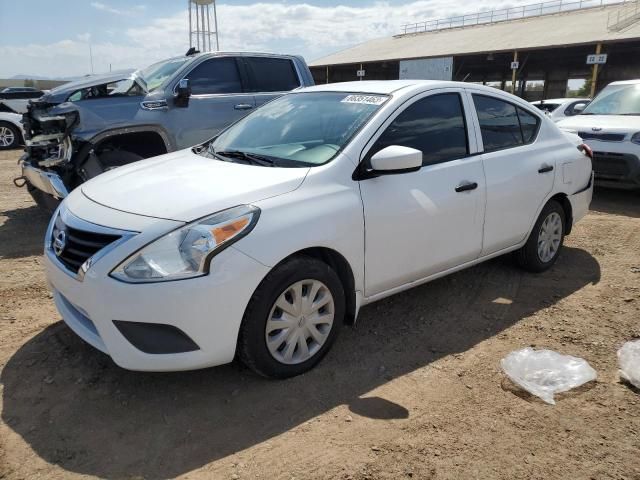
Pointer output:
x,y
366,99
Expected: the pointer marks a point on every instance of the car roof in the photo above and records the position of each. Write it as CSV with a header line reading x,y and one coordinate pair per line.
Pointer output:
x,y
386,87
626,82
561,100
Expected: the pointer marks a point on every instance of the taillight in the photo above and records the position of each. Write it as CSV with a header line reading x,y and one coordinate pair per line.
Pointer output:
x,y
586,149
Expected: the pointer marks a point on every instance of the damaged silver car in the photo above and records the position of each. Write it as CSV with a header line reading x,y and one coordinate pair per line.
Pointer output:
x,y
84,128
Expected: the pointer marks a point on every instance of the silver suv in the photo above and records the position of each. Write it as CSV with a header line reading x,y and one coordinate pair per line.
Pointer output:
x,y
83,128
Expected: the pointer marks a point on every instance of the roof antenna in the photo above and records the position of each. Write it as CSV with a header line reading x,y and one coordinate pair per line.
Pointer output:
x,y
192,51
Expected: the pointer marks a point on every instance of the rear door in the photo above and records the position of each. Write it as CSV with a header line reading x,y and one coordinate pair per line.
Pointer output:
x,y
519,169
270,77
219,97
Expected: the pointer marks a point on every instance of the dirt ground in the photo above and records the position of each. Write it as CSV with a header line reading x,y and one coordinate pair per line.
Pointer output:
x,y
414,391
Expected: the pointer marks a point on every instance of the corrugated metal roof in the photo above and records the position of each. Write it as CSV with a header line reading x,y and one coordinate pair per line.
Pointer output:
x,y
557,30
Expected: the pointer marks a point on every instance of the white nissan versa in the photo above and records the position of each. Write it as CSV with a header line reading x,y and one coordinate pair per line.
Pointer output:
x,y
263,241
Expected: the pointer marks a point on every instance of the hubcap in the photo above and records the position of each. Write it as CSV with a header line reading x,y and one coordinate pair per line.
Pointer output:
x,y
6,137
549,237
300,322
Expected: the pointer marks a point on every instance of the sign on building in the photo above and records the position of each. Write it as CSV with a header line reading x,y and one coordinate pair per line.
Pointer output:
x,y
360,73
597,59
515,65
427,69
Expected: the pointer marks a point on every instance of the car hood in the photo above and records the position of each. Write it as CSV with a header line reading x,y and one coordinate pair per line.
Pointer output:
x,y
619,123
184,186
62,92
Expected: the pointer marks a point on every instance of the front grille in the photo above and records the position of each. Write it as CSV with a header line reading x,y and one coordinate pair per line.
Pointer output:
x,y
605,137
73,247
609,164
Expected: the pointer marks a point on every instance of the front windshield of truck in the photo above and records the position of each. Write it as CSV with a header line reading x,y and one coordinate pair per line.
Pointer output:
x,y
300,129
616,100
155,75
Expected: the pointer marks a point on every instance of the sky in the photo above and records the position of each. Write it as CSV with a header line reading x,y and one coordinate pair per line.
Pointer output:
x,y
52,39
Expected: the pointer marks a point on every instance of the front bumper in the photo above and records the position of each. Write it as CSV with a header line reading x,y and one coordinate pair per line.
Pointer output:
x,y
208,310
48,182
616,164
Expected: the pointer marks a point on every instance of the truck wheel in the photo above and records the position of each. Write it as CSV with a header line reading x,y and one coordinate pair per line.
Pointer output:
x,y
543,247
10,136
117,158
292,319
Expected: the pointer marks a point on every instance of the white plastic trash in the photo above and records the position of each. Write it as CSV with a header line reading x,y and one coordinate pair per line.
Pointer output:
x,y
544,373
629,362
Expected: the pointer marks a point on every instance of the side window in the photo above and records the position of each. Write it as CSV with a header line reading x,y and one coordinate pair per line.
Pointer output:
x,y
218,75
528,124
498,123
435,125
502,125
272,74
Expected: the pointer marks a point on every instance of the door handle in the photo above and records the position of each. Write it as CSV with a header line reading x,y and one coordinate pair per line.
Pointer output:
x,y
546,169
466,186
243,106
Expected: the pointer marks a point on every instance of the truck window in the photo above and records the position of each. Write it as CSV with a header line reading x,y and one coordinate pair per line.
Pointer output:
x,y
217,75
272,74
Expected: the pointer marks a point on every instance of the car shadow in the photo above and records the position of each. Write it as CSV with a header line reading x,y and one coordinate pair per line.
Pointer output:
x,y
28,224
76,409
616,202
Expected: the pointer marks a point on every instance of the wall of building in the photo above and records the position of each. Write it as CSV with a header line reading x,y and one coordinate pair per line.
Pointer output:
x,y
542,73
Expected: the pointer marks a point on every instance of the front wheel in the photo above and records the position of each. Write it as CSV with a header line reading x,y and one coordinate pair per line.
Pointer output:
x,y
547,237
292,319
10,136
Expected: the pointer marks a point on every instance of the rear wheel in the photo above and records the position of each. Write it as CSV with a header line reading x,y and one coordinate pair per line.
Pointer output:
x,y
292,319
545,242
9,136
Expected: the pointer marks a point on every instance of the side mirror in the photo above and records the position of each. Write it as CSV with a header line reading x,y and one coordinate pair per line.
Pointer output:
x,y
396,159
183,92
578,108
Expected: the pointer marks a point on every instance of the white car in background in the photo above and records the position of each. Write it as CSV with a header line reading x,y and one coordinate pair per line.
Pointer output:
x,y
262,242
11,131
560,108
610,125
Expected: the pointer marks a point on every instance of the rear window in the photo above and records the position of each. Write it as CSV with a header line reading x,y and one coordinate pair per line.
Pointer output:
x,y
547,107
271,74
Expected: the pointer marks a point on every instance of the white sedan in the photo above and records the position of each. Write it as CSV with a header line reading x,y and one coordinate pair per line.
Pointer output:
x,y
560,108
264,241
11,130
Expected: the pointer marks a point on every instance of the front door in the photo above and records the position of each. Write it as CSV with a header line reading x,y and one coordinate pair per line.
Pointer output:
x,y
217,99
421,223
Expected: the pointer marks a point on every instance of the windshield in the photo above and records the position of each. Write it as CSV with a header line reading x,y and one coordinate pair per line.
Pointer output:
x,y
299,129
155,75
616,100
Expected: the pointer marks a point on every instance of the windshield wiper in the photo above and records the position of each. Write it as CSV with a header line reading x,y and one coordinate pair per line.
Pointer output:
x,y
247,157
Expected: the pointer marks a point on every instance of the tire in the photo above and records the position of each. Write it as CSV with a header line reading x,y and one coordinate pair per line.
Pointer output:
x,y
534,256
10,136
270,360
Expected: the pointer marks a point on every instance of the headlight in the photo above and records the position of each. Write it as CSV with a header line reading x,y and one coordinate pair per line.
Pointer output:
x,y
636,138
187,251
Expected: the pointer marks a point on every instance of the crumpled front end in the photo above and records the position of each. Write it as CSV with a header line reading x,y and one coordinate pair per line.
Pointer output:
x,y
49,146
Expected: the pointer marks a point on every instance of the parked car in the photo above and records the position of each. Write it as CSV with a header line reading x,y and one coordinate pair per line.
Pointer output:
x,y
254,243
11,133
610,125
560,108
81,129
16,99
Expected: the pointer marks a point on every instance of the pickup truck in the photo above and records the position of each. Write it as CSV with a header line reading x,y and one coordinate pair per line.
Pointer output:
x,y
84,128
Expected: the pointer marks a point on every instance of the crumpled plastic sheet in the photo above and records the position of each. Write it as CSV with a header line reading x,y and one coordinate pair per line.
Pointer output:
x,y
629,362
544,373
